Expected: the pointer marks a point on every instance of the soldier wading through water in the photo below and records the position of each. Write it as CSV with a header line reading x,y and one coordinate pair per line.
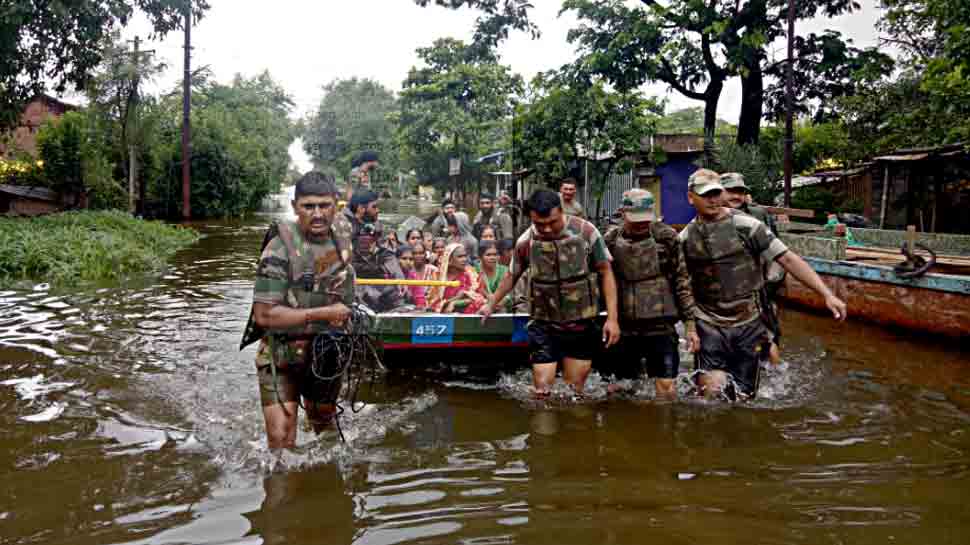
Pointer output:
x,y
564,255
654,293
725,251
304,286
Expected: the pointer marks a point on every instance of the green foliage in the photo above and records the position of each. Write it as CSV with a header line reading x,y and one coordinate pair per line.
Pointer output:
x,y
762,168
457,105
241,135
73,247
817,145
22,172
60,142
691,121
58,42
73,153
695,47
572,117
354,115
821,200
500,16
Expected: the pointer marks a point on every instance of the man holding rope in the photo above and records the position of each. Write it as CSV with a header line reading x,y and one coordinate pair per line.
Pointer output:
x,y
304,286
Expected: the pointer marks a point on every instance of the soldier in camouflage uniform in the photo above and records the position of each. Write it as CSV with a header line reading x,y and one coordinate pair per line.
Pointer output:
x,y
564,255
725,250
738,196
654,293
304,285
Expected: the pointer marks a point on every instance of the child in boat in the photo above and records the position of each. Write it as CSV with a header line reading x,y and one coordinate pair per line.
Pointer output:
x,y
466,298
405,257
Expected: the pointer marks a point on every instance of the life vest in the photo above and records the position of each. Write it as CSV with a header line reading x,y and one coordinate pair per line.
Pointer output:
x,y
312,282
722,267
307,291
563,288
641,267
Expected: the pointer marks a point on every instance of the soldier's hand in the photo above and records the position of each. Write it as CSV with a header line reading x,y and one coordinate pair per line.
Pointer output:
x,y
611,333
339,313
486,311
837,306
693,342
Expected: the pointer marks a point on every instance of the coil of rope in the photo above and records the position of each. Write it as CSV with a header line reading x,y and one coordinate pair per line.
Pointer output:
x,y
342,360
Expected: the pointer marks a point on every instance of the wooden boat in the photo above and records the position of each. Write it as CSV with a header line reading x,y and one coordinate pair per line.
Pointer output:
x,y
460,337
937,302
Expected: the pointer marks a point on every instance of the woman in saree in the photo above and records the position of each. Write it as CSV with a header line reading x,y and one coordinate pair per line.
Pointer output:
x,y
466,298
489,268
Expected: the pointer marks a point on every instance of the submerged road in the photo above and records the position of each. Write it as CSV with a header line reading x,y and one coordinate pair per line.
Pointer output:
x,y
129,415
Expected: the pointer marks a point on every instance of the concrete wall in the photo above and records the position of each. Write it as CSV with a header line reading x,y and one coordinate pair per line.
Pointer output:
x,y
811,246
941,243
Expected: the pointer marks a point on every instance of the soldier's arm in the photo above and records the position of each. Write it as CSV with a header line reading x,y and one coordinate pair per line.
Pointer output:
x,y
272,316
682,287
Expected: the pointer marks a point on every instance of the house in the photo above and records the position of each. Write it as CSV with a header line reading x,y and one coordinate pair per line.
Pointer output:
x,y
18,200
23,137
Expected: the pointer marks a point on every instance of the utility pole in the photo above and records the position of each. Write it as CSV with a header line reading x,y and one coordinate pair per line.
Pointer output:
x,y
186,108
789,103
132,131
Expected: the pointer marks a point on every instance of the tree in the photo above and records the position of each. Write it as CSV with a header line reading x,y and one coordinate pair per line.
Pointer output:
x,y
241,135
499,17
691,121
60,42
457,105
574,117
354,115
928,101
113,94
693,46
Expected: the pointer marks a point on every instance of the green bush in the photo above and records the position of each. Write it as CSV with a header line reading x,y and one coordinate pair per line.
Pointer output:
x,y
73,247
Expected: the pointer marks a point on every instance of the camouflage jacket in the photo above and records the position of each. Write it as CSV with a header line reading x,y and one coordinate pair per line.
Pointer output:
x,y
672,265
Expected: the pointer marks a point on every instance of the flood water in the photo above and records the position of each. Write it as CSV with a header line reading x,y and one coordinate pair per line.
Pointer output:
x,y
130,416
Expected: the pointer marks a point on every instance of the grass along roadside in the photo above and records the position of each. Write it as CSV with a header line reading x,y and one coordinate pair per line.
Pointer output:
x,y
73,247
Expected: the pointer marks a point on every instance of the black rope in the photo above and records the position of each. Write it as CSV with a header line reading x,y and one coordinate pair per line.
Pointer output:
x,y
342,360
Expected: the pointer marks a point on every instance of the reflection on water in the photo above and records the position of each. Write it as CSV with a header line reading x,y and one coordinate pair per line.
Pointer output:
x,y
132,409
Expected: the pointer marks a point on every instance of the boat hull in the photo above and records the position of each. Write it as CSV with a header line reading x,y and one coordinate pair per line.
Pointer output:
x,y
417,336
934,303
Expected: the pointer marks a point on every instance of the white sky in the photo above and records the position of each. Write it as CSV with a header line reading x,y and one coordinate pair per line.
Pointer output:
x,y
307,43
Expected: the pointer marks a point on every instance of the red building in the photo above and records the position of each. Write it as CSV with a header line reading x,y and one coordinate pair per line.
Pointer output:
x,y
23,138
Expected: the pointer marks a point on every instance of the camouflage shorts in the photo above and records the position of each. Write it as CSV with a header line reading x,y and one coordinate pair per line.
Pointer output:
x,y
290,382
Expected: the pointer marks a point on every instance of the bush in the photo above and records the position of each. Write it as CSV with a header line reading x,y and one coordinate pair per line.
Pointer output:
x,y
73,247
28,173
75,159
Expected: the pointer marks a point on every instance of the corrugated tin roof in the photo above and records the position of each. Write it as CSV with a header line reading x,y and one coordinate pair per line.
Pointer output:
x,y
903,157
39,193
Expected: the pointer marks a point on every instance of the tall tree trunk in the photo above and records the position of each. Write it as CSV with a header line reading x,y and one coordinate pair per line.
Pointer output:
x,y
752,104
711,97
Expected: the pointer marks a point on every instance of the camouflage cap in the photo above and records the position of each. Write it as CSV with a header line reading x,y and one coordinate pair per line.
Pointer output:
x,y
733,180
703,181
638,205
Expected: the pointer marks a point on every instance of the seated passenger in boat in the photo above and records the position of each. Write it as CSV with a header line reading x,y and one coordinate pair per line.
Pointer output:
x,y
487,233
438,250
490,271
423,271
466,298
413,295
371,260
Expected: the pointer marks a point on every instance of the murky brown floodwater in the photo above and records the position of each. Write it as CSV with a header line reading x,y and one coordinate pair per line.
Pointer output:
x,y
128,415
